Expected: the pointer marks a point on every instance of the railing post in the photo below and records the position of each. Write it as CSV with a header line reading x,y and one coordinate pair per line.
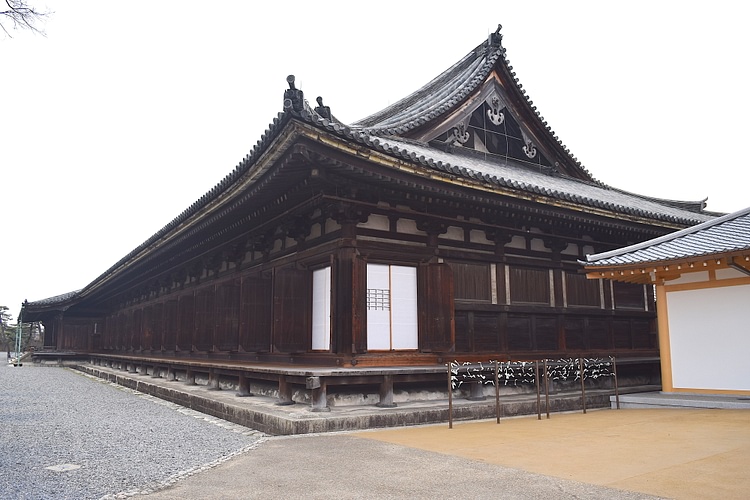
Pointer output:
x,y
583,385
450,397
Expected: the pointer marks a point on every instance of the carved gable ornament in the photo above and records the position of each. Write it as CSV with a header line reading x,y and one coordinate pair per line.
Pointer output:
x,y
488,125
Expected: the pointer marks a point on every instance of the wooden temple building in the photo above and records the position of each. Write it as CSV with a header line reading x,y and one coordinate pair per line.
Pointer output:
x,y
447,226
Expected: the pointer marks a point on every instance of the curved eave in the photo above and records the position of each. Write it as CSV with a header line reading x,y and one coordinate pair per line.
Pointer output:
x,y
670,269
245,172
453,172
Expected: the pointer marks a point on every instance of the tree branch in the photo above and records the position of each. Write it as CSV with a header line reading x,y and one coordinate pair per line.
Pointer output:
x,y
22,16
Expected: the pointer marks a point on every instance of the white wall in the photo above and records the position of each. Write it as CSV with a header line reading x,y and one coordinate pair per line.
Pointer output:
x,y
709,337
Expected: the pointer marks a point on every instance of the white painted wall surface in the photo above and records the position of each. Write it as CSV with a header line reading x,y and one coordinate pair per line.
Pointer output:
x,y
404,307
321,309
394,327
378,320
709,333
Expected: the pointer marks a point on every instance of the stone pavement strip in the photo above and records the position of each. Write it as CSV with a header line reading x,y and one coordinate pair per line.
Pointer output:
x,y
612,454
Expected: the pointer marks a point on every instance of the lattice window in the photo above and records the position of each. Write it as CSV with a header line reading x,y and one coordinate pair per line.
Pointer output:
x,y
378,299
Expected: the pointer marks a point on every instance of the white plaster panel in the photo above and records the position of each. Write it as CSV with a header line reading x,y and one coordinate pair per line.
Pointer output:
x,y
571,249
376,221
321,309
517,242
378,320
725,274
478,236
538,245
408,226
691,278
454,233
404,307
331,226
710,338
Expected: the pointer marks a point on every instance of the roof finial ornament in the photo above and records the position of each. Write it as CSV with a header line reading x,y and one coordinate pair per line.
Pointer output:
x,y
294,99
496,38
324,111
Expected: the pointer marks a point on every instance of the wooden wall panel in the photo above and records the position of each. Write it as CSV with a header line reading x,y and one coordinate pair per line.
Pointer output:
x,y
519,333
136,329
186,309
598,334
171,324
621,333
228,315
255,315
471,281
148,328
575,334
205,319
529,285
545,333
628,296
463,341
486,332
292,321
581,291
436,308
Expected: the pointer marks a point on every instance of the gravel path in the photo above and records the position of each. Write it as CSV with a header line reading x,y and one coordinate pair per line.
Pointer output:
x,y
110,442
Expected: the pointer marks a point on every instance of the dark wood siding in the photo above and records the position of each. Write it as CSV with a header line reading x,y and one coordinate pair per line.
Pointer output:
x,y
582,292
255,314
529,285
205,319
137,329
148,328
471,281
228,315
186,322
628,295
171,324
292,310
436,308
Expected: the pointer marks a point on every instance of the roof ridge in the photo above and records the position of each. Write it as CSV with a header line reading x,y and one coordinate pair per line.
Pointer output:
x,y
591,258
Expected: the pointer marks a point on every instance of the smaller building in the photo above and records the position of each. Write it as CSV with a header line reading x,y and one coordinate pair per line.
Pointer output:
x,y
702,280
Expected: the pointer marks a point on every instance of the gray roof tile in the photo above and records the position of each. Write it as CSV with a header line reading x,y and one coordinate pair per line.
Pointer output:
x,y
726,234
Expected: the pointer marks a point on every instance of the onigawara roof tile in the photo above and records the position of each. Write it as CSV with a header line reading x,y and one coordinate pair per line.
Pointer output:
x,y
726,234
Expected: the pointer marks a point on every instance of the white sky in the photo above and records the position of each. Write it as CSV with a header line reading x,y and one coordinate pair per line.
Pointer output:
x,y
125,114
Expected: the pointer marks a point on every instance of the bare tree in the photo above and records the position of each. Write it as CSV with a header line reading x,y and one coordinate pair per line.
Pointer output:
x,y
18,14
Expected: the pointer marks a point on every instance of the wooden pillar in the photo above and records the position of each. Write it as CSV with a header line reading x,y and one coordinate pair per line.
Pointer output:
x,y
155,372
244,386
342,310
190,376
665,349
477,392
348,285
171,377
386,393
285,392
319,393
213,380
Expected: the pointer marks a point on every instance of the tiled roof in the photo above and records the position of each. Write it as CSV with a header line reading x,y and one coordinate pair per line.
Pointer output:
x,y
448,92
57,299
437,97
533,181
726,234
